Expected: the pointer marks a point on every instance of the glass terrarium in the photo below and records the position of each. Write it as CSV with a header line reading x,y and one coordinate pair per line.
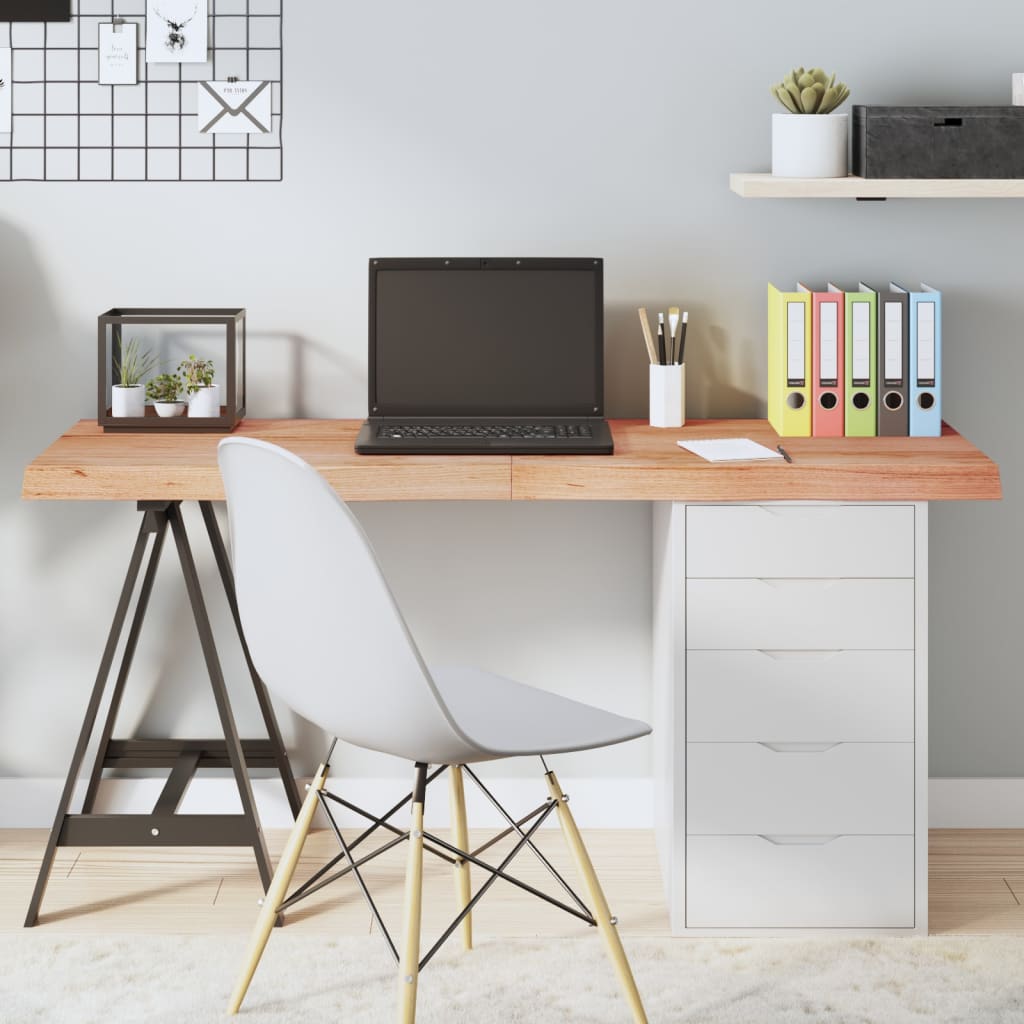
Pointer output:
x,y
171,369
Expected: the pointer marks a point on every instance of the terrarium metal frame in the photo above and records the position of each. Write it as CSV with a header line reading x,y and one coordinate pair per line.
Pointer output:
x,y
233,407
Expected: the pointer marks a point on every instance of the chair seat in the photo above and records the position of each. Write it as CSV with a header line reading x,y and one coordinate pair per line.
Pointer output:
x,y
503,718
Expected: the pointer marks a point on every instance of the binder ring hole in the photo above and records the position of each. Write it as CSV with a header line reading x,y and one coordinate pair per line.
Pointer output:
x,y
861,400
795,400
828,400
893,400
926,400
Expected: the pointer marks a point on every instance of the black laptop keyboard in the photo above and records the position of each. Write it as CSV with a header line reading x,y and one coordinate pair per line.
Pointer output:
x,y
525,431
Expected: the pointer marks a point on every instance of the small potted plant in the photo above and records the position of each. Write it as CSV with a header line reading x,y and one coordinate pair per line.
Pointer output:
x,y
203,394
127,397
164,391
809,140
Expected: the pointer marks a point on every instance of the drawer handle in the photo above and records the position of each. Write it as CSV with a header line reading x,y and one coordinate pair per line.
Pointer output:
x,y
799,748
816,656
799,840
799,511
826,582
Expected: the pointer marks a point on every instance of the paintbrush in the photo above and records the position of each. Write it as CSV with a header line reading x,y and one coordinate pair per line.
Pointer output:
x,y
673,326
682,338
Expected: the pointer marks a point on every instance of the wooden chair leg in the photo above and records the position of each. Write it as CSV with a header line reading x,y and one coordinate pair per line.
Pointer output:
x,y
599,906
409,967
278,889
460,838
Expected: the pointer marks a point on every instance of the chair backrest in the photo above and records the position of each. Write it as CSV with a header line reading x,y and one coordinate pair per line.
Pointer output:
x,y
322,625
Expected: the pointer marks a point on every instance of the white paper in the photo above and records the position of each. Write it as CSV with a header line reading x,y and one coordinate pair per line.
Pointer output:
x,y
893,316
119,58
5,91
176,32
926,341
729,449
240,108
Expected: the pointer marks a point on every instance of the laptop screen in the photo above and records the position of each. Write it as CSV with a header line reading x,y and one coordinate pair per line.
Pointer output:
x,y
486,337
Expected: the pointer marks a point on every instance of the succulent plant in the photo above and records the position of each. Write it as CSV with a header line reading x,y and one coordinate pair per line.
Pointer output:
x,y
810,92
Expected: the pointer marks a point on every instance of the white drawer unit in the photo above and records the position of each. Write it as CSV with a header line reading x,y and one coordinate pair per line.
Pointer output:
x,y
800,614
800,696
740,882
790,663
875,541
799,789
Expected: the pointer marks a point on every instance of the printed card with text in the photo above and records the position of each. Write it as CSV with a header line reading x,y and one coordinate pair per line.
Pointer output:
x,y
5,91
119,57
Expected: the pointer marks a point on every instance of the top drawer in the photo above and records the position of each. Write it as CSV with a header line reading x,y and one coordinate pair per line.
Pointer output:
x,y
873,541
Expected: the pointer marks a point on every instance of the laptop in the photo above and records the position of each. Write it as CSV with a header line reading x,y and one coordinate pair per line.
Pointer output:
x,y
493,356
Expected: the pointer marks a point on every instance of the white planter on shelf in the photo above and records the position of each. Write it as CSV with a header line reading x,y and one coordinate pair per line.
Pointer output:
x,y
810,145
127,401
205,402
167,409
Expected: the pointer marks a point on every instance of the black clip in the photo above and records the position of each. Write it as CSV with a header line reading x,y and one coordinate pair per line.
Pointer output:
x,y
233,79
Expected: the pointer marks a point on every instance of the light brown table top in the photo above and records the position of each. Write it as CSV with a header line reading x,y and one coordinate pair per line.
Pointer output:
x,y
85,464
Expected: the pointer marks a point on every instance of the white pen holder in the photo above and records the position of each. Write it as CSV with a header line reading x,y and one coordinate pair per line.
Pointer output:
x,y
668,395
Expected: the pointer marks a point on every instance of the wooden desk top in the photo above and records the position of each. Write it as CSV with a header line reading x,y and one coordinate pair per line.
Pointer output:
x,y
87,465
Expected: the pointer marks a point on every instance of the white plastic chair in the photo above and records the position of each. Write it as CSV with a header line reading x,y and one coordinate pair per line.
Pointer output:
x,y
327,637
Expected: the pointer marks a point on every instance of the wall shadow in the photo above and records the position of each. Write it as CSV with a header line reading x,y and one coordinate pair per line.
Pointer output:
x,y
714,362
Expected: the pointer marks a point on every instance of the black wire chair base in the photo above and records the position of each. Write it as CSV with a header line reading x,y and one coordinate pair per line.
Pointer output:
x,y
523,827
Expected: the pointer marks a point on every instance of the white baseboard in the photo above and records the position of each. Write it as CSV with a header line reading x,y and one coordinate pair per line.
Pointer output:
x,y
596,803
976,803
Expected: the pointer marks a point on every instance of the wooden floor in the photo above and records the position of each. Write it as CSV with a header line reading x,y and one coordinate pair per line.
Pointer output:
x,y
976,886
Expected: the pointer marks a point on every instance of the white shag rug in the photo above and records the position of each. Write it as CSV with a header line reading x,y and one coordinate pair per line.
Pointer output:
x,y
306,980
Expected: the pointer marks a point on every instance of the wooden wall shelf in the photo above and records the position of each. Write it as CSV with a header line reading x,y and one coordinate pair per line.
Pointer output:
x,y
765,186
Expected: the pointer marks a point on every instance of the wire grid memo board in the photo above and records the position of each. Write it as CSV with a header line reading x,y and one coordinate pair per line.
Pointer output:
x,y
65,126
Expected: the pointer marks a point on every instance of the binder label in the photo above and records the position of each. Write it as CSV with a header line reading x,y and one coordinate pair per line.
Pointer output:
x,y
893,345
926,344
828,368
861,344
796,333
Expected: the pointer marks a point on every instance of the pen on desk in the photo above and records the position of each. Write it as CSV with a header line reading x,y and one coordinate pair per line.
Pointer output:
x,y
682,337
645,326
661,339
784,453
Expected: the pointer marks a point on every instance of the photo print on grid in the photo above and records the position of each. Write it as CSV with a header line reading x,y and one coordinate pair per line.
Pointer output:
x,y
176,31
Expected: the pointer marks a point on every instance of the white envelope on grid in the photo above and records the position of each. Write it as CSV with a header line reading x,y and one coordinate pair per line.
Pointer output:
x,y
242,108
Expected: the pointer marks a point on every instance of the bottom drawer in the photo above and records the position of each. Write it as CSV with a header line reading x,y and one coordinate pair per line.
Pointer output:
x,y
800,882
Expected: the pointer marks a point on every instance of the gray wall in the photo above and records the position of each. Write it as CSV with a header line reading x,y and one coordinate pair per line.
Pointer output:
x,y
531,128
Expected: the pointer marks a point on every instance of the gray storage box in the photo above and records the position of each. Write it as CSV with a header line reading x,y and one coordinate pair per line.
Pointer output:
x,y
938,142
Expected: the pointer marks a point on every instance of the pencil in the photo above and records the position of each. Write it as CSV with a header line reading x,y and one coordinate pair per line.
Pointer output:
x,y
645,326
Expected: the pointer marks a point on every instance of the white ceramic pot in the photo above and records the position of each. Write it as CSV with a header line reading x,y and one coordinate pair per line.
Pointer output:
x,y
205,402
810,145
127,401
167,409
